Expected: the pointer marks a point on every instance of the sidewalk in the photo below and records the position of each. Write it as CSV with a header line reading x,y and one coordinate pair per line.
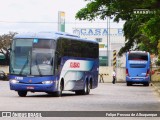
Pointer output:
x,y
156,86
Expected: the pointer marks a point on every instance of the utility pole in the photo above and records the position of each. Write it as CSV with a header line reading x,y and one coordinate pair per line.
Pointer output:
x,y
108,42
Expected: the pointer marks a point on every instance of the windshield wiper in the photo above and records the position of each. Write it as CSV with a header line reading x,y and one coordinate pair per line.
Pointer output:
x,y
38,68
20,73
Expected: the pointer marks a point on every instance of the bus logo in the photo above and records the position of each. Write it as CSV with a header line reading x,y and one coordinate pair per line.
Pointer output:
x,y
74,65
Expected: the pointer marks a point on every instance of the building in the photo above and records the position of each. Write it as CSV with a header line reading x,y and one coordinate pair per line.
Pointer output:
x,y
109,40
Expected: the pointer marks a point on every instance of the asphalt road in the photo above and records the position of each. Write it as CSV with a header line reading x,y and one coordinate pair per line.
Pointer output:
x,y
107,97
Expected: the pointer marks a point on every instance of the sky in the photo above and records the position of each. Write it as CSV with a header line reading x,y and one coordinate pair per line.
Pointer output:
x,y
42,15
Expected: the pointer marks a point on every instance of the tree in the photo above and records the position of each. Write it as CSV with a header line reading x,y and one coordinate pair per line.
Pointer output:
x,y
141,29
5,41
135,33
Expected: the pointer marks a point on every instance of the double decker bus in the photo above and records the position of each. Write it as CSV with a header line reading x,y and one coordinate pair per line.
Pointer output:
x,y
53,62
138,67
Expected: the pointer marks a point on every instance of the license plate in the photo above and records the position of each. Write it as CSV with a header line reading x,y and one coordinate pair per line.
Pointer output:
x,y
30,87
136,79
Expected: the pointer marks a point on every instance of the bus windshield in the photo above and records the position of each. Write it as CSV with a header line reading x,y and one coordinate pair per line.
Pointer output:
x,y
32,57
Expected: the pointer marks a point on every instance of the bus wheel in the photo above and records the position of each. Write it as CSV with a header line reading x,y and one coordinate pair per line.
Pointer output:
x,y
87,88
146,84
59,93
129,83
22,93
85,91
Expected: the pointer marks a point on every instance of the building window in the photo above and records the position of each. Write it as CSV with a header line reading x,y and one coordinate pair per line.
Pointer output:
x,y
99,39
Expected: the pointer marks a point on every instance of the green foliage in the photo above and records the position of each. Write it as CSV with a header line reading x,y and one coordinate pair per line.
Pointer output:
x,y
140,29
157,62
5,41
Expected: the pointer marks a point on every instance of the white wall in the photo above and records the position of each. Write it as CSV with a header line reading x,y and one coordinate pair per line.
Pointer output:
x,y
4,68
120,73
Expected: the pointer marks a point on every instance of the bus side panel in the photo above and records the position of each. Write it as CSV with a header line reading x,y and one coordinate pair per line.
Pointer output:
x,y
126,65
75,72
95,74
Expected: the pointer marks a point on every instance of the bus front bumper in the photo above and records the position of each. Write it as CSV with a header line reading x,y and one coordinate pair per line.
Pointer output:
x,y
33,87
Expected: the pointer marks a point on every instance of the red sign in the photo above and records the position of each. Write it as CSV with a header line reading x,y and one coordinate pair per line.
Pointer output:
x,y
30,87
74,65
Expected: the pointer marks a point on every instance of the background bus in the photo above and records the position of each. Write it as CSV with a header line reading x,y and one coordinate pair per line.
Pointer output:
x,y
138,67
53,62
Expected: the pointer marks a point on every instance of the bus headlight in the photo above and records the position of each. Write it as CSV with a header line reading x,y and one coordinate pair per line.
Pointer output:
x,y
47,82
13,81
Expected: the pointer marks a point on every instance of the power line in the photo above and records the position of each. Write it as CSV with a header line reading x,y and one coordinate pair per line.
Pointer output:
x,y
24,22
40,22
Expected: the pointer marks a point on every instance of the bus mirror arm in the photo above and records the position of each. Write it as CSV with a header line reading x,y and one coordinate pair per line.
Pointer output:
x,y
57,53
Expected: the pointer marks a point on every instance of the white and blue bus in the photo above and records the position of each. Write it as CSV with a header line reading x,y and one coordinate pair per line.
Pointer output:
x,y
53,62
138,68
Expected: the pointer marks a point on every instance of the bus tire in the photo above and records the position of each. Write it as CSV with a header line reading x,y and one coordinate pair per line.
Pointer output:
x,y
87,88
85,91
129,84
22,93
59,93
146,84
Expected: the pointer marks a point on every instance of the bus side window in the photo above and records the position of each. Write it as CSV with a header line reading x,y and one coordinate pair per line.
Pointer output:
x,y
57,62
